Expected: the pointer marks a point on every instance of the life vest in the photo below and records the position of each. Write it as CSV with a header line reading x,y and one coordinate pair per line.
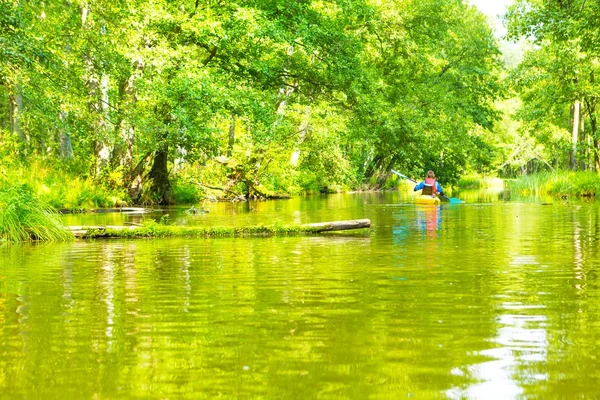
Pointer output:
x,y
430,187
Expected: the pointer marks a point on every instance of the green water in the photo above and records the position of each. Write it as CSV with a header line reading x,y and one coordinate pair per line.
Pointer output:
x,y
488,299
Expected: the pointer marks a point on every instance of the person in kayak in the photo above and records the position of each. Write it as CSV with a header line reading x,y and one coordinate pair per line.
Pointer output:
x,y
430,186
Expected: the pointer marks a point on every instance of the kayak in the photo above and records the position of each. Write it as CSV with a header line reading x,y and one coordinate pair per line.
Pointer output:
x,y
427,199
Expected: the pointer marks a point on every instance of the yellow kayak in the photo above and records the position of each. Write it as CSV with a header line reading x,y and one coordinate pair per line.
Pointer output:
x,y
427,199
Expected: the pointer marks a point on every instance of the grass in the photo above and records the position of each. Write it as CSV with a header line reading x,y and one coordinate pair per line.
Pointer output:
x,y
583,184
24,217
475,182
63,187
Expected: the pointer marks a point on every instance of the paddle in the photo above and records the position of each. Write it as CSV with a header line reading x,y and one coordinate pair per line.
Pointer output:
x,y
403,176
452,200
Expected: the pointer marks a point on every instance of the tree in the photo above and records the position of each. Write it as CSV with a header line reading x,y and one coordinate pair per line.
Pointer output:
x,y
433,69
268,95
557,79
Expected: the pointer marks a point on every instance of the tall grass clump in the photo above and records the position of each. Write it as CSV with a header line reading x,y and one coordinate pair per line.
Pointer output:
x,y
580,184
469,182
530,185
24,217
476,182
559,184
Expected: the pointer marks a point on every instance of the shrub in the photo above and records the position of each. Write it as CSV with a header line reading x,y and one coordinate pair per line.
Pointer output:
x,y
187,193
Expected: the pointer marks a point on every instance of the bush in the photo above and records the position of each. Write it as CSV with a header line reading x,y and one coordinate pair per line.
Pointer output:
x,y
65,187
187,193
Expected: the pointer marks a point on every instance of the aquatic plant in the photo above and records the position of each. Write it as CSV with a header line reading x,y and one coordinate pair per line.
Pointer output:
x,y
475,182
558,184
24,217
469,182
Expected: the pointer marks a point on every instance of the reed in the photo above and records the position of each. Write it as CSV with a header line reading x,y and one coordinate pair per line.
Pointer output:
x,y
584,184
477,182
24,217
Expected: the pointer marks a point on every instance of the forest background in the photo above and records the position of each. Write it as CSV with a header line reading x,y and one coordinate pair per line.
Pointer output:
x,y
119,102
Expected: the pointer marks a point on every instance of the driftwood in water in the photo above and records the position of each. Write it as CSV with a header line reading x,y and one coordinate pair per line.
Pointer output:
x,y
156,230
339,225
122,210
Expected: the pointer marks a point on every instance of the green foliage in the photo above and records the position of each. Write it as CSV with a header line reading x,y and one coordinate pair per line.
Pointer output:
x,y
187,193
24,217
320,95
430,88
76,193
63,189
476,182
469,182
558,72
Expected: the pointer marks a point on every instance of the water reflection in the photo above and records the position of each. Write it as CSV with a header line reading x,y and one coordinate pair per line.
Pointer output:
x,y
497,300
520,347
522,340
419,218
429,218
107,280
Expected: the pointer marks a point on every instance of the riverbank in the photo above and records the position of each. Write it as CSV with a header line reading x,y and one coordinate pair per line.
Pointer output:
x,y
558,184
24,217
561,184
69,188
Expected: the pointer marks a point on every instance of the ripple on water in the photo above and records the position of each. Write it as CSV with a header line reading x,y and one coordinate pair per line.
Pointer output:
x,y
479,303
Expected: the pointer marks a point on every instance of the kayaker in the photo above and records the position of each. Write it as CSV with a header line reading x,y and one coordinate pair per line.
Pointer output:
x,y
430,186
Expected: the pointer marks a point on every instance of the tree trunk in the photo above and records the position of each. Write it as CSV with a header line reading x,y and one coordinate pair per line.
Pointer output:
x,y
303,131
575,135
103,151
97,85
16,109
590,105
285,91
160,188
231,136
64,138
134,180
594,128
106,231
123,152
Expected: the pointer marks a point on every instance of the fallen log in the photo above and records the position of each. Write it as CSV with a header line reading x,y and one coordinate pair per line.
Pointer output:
x,y
339,225
122,210
156,230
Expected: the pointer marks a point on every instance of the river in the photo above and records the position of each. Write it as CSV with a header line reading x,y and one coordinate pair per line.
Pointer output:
x,y
493,298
